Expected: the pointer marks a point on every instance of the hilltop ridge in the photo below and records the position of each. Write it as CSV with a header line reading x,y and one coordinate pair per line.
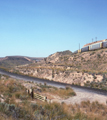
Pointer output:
x,y
11,61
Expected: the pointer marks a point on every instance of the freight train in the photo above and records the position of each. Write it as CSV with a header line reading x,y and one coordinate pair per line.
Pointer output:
x,y
93,46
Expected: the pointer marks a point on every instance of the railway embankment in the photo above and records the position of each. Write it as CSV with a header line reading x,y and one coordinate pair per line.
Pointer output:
x,y
68,77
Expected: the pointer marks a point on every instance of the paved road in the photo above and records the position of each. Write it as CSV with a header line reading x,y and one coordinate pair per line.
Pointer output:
x,y
81,93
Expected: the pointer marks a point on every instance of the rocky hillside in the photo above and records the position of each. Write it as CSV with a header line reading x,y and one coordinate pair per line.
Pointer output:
x,y
86,69
91,61
54,58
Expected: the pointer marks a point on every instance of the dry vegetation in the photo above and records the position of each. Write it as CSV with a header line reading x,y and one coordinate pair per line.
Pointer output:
x,y
16,104
53,92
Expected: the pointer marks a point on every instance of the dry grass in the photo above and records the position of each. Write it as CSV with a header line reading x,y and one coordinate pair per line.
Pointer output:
x,y
28,110
84,111
5,117
61,92
64,93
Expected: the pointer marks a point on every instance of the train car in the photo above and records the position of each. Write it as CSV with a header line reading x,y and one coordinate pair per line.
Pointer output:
x,y
95,46
84,49
79,51
104,44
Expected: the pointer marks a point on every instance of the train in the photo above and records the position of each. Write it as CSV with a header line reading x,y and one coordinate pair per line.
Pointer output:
x,y
93,46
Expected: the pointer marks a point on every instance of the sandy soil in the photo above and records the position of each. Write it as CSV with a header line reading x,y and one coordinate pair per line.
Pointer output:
x,y
84,96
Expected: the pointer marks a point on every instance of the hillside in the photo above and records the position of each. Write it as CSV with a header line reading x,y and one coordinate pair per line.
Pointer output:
x,y
85,69
54,58
91,61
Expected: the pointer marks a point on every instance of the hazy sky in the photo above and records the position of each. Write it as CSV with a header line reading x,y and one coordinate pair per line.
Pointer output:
x,y
38,28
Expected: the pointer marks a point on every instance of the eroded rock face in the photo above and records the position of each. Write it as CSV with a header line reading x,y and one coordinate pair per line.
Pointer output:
x,y
62,76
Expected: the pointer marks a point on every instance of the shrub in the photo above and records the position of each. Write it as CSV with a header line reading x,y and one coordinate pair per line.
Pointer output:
x,y
68,87
7,100
34,106
45,83
94,77
92,53
17,95
53,73
98,55
12,89
23,97
80,116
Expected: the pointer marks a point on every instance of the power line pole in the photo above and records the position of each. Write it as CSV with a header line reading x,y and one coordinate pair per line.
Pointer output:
x,y
96,38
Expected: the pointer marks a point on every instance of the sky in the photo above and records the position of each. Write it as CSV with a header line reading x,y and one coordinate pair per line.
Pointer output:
x,y
38,28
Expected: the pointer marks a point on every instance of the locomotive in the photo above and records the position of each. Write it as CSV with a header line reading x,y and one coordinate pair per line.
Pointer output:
x,y
93,46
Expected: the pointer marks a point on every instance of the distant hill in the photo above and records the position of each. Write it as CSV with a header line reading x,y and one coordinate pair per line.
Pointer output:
x,y
11,61
36,58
